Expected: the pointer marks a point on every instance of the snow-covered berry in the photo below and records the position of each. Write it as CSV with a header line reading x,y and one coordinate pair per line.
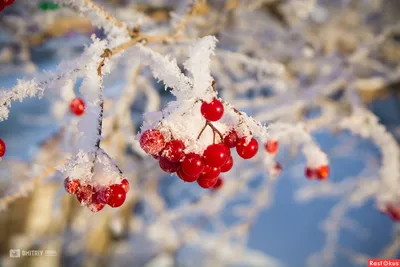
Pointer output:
x,y
173,150
152,141
71,185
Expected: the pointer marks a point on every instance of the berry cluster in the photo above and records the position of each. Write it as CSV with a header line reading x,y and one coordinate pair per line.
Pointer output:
x,y
5,3
96,197
77,106
215,159
320,173
2,148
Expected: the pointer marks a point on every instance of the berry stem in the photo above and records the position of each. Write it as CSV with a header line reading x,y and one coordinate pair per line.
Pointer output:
x,y
215,130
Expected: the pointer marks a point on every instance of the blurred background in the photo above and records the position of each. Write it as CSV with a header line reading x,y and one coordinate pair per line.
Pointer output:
x,y
169,223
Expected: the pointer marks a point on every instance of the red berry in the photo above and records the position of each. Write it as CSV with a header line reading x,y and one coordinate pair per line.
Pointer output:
x,y
152,141
211,173
2,148
310,173
207,182
97,203
168,166
8,2
173,150
322,172
393,212
77,106
218,184
216,155
125,185
71,186
212,111
249,150
271,146
117,196
185,177
228,165
277,169
95,207
192,164
84,194
231,139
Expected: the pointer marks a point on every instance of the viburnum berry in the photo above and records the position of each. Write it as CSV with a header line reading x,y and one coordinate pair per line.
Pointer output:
x,y
231,139
322,172
5,3
187,178
71,186
97,204
168,166
117,196
228,165
310,173
218,184
205,182
125,185
77,106
95,207
2,148
271,146
192,164
84,194
173,150
216,155
247,151
393,212
152,141
211,173
212,111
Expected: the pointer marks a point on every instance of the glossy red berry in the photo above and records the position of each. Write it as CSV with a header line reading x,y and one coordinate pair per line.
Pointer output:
x,y
212,111
211,173
117,196
173,151
205,182
71,186
125,185
228,165
218,184
2,148
247,151
168,166
186,178
322,172
152,141
216,155
271,146
84,194
310,173
77,106
231,139
192,164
